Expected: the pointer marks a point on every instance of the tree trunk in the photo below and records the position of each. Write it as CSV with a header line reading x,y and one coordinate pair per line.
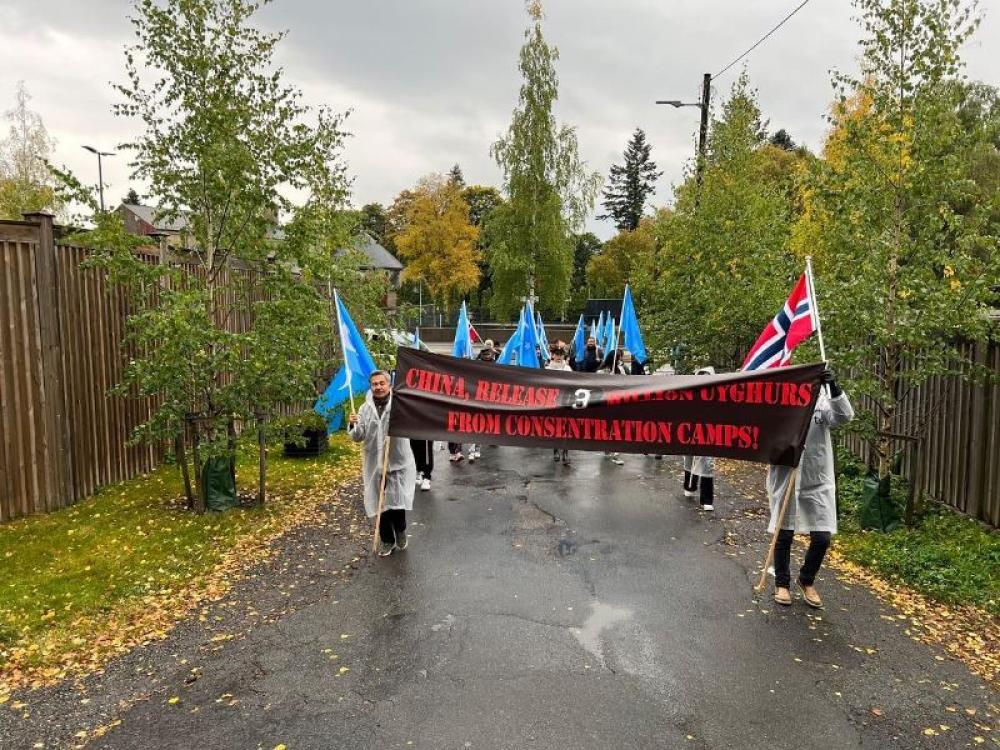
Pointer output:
x,y
199,500
911,496
180,451
261,459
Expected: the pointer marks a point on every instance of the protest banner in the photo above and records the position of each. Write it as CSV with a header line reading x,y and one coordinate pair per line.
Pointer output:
x,y
758,416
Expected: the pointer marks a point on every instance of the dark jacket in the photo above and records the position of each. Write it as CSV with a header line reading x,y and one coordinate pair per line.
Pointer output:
x,y
589,362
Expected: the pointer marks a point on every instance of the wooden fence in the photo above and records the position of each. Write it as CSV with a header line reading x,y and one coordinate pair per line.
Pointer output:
x,y
958,460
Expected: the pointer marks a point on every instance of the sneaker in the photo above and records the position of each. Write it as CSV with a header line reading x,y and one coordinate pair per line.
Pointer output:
x,y
708,507
401,540
472,457
425,484
385,549
555,455
420,478
690,493
617,460
478,454
456,457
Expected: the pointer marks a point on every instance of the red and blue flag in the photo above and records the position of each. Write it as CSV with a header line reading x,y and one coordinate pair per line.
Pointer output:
x,y
793,324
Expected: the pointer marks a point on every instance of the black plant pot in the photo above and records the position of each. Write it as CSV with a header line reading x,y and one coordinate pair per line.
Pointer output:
x,y
316,441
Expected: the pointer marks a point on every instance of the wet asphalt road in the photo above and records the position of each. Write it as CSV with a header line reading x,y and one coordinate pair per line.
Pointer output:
x,y
542,606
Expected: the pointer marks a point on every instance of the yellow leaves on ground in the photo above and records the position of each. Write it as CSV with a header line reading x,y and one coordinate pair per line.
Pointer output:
x,y
136,564
967,633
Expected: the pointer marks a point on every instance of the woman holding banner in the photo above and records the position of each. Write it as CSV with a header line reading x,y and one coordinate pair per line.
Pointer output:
x,y
812,507
394,459
557,361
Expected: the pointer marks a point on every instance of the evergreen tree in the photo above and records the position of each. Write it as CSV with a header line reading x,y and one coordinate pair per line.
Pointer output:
x,y
132,198
630,184
782,140
455,176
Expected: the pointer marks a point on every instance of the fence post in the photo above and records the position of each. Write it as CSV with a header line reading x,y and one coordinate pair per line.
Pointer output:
x,y
56,432
978,441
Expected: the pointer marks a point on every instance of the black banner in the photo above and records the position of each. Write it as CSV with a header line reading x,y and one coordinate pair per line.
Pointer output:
x,y
754,416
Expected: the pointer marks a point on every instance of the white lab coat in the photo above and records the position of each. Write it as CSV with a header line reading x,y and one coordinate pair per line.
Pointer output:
x,y
401,482
703,466
813,505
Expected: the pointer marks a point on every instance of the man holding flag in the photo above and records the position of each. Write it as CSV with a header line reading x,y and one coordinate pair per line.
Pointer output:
x,y
810,506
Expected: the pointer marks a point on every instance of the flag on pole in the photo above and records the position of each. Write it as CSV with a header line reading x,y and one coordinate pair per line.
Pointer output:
x,y
510,348
629,324
416,337
607,334
527,350
352,376
543,339
599,333
463,336
580,338
593,330
474,334
793,324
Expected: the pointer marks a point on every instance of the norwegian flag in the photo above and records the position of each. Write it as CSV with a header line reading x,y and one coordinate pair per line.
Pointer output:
x,y
793,324
474,335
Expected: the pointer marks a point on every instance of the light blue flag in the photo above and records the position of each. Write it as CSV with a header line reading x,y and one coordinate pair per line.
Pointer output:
x,y
527,349
599,334
603,339
507,354
416,337
352,377
593,331
543,339
630,329
580,338
463,337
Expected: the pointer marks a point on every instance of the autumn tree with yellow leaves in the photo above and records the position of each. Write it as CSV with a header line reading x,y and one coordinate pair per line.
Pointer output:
x,y
438,241
903,274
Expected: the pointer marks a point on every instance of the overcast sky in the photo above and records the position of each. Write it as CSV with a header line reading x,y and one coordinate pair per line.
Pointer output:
x,y
431,83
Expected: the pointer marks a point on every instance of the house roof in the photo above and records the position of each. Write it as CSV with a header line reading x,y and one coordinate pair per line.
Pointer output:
x,y
378,256
156,219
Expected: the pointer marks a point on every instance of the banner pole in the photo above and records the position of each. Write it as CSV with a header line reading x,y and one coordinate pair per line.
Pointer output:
x,y
792,479
815,306
340,335
381,492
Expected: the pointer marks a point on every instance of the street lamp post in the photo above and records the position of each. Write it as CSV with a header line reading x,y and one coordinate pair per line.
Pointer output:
x,y
100,171
703,105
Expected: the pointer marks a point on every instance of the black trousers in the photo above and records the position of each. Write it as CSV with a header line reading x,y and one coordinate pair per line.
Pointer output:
x,y
423,454
819,543
690,481
392,521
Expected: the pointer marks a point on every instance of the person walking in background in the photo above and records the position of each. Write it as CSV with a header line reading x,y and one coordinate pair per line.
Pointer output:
x,y
614,364
423,455
699,473
487,354
557,361
590,359
370,426
812,508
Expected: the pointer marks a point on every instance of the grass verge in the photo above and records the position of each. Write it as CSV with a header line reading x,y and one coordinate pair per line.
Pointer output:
x,y
121,567
945,556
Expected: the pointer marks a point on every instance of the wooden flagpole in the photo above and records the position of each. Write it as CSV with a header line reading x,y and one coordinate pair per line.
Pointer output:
x,y
381,492
792,479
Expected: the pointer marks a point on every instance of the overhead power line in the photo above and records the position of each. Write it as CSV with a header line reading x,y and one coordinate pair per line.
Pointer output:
x,y
761,40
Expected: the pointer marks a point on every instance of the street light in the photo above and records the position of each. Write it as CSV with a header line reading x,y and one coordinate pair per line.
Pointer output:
x,y
100,171
706,88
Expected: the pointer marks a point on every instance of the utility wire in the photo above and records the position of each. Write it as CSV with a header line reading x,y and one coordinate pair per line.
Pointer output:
x,y
761,40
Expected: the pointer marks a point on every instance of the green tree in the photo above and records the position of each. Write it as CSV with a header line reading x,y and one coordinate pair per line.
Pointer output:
x,y
237,326
456,177
722,265
25,182
439,242
585,244
904,273
630,184
549,190
619,261
132,198
374,220
782,140
483,201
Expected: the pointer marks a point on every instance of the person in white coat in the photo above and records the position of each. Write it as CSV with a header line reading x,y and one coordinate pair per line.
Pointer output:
x,y
371,427
557,361
812,507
